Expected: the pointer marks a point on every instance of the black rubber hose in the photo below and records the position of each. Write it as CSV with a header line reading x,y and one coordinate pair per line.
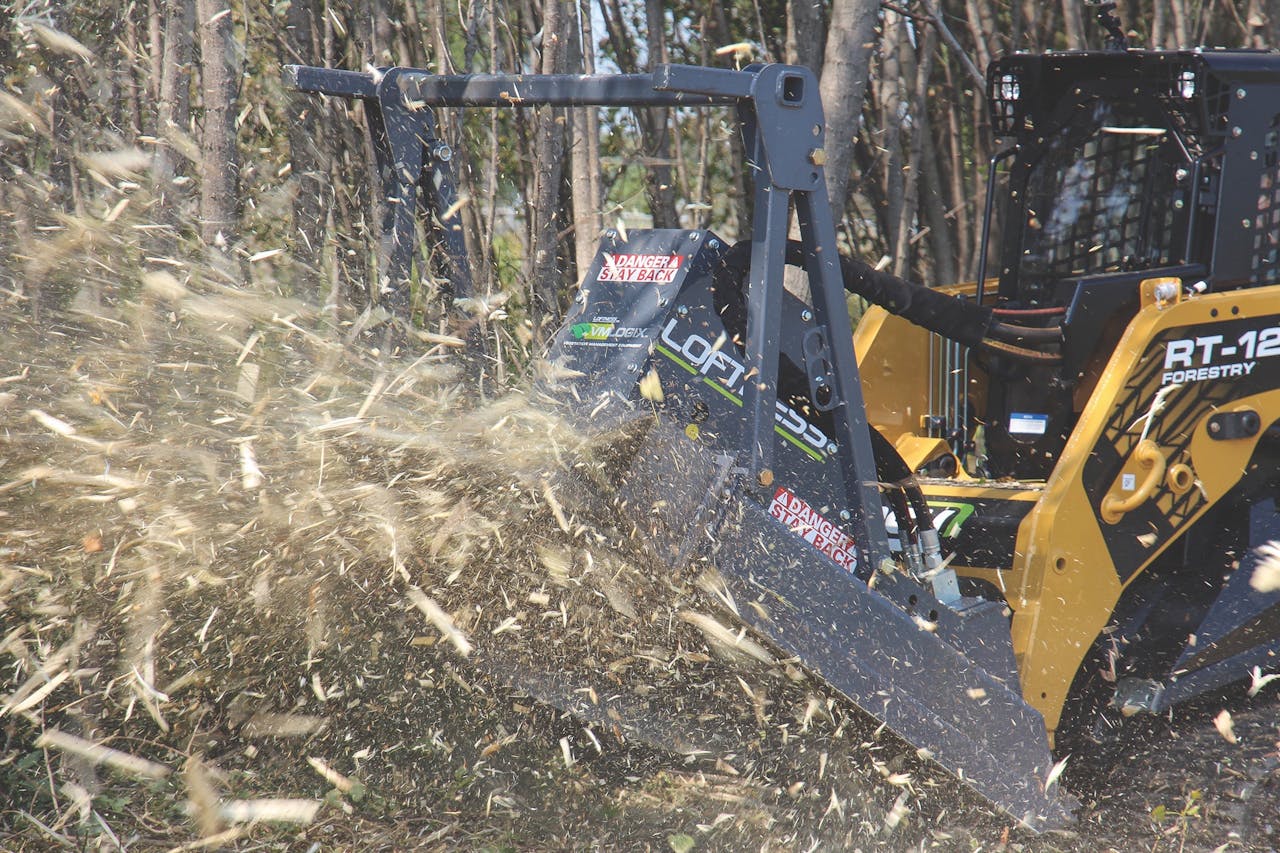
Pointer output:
x,y
892,468
1015,352
896,497
1010,333
949,316
1029,312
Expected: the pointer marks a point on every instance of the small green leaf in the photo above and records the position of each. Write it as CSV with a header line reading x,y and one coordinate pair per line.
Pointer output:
x,y
357,791
680,843
1158,813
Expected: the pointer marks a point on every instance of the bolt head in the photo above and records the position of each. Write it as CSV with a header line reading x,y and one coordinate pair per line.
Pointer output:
x,y
806,315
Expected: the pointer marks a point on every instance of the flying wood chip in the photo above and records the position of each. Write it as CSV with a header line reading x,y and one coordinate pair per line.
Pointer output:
x,y
1266,575
1226,726
651,387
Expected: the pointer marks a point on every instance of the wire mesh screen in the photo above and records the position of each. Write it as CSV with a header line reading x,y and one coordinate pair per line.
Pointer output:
x,y
1197,103
1100,200
1266,226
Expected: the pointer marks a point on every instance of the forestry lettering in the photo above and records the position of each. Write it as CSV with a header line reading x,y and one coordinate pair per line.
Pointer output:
x,y
726,372
1214,357
640,269
805,521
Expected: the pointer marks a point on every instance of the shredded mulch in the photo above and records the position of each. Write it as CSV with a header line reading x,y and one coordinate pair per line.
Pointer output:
x,y
263,587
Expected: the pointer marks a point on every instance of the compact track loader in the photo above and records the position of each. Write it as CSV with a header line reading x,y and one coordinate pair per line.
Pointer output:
x,y
998,506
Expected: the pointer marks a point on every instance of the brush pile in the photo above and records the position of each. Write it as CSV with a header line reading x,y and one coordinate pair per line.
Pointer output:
x,y
260,583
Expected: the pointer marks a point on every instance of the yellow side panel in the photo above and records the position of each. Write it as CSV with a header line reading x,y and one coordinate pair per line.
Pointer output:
x,y
893,361
1070,583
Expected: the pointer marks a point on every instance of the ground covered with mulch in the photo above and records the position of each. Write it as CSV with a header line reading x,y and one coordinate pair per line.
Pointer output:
x,y
262,587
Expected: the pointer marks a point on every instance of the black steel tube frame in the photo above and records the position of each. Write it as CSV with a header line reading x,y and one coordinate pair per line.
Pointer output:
x,y
987,211
782,123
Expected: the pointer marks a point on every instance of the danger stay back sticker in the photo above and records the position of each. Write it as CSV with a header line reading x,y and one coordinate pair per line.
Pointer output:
x,y
640,269
806,522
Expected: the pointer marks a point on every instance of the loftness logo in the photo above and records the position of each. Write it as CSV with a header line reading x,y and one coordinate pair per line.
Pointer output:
x,y
725,374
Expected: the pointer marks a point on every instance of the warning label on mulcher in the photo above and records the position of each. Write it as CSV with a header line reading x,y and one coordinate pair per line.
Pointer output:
x,y
805,521
640,269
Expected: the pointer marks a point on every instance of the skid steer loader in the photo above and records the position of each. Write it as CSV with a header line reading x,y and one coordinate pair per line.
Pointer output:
x,y
948,515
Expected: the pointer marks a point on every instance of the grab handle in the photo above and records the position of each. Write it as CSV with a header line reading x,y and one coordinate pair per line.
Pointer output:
x,y
1149,456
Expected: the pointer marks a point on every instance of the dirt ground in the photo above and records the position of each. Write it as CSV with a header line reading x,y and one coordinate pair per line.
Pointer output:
x,y
260,590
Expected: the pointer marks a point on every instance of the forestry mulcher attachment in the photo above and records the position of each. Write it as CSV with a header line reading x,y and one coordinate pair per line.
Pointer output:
x,y
995,499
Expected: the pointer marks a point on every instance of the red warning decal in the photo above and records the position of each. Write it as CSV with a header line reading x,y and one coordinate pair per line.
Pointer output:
x,y
640,269
807,523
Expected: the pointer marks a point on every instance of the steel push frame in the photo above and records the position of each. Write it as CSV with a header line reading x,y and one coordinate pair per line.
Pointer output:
x,y
781,119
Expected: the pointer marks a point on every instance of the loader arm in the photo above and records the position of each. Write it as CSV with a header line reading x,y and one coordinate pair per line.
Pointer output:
x,y
760,466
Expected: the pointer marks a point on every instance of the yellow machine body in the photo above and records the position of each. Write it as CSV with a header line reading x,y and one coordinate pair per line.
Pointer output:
x,y
1062,579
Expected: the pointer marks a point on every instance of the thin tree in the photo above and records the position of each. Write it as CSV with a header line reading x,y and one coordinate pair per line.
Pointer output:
x,y
585,148
548,169
219,163
845,69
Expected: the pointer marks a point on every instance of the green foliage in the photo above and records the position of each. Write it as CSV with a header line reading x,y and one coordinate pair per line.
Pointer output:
x,y
681,842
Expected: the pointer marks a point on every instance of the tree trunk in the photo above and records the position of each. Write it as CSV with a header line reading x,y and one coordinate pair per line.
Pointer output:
x,y
981,29
173,109
804,34
585,142
892,45
941,245
657,124
1073,23
548,166
219,161
715,30
1159,26
654,123
919,111
305,156
845,70
1263,19
1181,19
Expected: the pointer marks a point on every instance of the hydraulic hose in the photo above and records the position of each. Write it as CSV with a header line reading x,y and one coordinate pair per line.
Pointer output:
x,y
1025,334
1028,312
1033,356
892,468
958,319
